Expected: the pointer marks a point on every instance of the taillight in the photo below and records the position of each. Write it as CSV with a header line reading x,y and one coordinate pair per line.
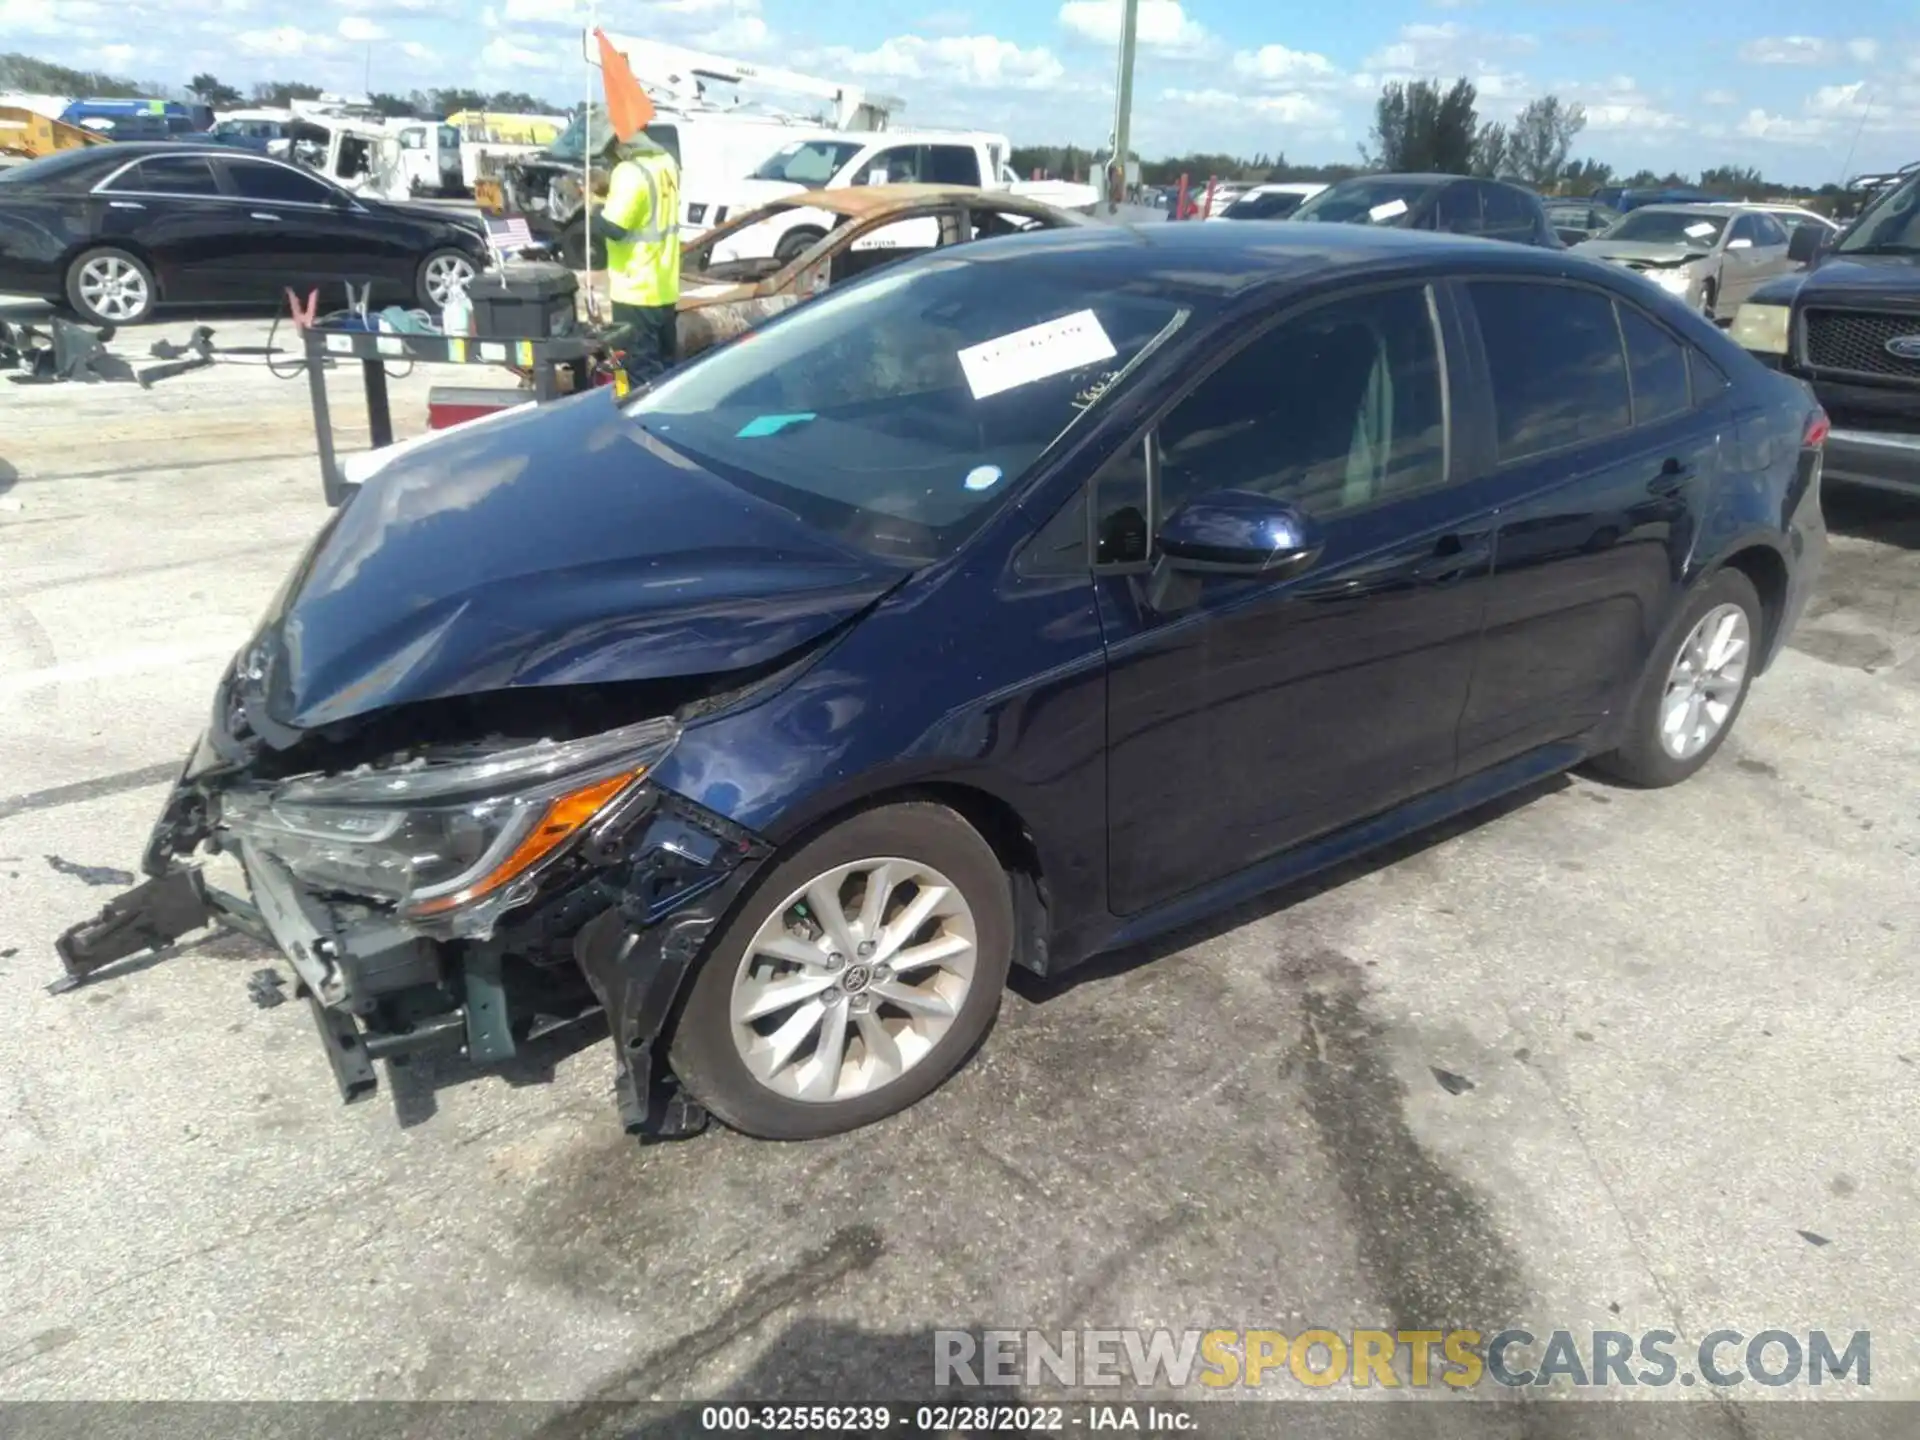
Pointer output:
x,y
1818,428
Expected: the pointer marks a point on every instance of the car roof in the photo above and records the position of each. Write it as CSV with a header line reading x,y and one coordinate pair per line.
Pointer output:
x,y
1722,208
1213,263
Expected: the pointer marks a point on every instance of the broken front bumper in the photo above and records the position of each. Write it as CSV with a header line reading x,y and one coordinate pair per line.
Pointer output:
x,y
631,909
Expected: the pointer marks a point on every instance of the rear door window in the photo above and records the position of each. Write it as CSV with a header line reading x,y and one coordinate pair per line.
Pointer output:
x,y
1508,213
1458,210
1657,367
1556,362
257,180
951,165
171,175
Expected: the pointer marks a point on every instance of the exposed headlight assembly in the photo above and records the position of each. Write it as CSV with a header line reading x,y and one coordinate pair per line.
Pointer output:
x,y
451,842
1675,279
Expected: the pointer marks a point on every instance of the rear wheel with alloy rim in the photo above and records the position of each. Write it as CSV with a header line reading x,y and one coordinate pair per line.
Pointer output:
x,y
1693,690
442,274
858,975
110,287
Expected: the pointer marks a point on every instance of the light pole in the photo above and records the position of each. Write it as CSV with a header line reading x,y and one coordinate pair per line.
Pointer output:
x,y
1122,107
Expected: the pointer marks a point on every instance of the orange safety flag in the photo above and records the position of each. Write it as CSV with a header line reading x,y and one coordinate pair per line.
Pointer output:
x,y
628,109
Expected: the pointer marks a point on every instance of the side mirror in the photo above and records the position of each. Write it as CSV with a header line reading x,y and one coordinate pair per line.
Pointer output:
x,y
1806,243
1236,532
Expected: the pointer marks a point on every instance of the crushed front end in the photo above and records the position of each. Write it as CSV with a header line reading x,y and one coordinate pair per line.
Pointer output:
x,y
461,896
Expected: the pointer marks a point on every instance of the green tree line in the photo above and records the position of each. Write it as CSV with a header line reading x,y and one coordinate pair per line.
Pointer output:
x,y
44,77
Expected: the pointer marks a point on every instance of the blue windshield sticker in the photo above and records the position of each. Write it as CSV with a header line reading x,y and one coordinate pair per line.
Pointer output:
x,y
983,477
770,425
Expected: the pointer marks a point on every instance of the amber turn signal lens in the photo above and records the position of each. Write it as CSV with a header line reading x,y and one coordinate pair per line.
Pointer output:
x,y
563,819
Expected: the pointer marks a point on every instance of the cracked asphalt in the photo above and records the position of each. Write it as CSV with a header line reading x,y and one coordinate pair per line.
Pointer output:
x,y
1592,1058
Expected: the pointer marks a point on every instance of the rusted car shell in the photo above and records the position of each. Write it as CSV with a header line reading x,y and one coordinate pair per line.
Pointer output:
x,y
720,301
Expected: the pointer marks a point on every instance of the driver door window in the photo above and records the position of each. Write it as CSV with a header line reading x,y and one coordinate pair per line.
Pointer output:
x,y
1333,410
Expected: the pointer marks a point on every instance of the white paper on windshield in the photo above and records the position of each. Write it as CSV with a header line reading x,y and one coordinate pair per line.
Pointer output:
x,y
1694,232
1387,210
1034,353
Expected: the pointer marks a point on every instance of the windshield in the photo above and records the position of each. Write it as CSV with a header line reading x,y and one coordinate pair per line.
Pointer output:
x,y
807,162
897,411
1890,224
571,143
1364,202
1669,227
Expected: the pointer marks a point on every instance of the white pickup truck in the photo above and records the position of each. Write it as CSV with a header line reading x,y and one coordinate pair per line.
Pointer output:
x,y
829,159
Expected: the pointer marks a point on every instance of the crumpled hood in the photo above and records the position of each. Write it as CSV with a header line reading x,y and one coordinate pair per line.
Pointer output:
x,y
563,546
1642,252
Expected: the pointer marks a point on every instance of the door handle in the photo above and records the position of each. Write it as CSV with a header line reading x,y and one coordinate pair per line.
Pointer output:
x,y
262,215
125,205
1453,556
1674,473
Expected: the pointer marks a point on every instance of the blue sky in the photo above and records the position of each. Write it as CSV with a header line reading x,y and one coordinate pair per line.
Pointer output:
x,y
1749,82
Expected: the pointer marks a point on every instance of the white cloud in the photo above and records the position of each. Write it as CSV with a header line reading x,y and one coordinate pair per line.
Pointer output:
x,y
543,12
285,40
1292,108
1278,63
1838,101
414,50
41,17
511,51
969,60
743,33
360,30
1806,50
1620,106
1719,97
116,57
1158,24
1448,48
1783,129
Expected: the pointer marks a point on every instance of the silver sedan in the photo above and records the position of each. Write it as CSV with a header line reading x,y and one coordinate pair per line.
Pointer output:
x,y
1711,256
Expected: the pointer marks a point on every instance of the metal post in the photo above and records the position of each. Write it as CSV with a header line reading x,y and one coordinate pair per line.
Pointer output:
x,y
586,177
1123,98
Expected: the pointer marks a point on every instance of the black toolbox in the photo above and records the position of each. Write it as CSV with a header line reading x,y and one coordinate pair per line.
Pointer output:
x,y
529,300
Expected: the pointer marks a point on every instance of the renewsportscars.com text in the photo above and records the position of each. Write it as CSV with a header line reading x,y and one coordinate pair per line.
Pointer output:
x,y
1394,1359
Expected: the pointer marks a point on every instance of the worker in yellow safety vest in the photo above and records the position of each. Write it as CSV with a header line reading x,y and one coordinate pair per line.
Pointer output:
x,y
641,221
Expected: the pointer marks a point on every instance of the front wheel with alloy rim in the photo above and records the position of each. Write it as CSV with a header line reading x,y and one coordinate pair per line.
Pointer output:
x,y
442,274
858,975
1693,690
110,287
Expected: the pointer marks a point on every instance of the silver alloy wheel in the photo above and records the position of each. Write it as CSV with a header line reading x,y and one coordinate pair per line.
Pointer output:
x,y
446,274
853,979
1704,684
113,288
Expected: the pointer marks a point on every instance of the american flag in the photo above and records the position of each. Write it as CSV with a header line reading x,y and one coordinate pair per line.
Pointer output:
x,y
507,234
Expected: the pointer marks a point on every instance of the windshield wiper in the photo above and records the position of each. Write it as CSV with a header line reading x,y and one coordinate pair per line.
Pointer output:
x,y
1886,249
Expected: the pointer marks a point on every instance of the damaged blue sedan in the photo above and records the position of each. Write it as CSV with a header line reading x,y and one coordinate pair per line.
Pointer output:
x,y
1009,605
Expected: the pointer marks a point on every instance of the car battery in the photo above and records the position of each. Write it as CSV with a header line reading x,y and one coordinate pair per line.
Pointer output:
x,y
531,300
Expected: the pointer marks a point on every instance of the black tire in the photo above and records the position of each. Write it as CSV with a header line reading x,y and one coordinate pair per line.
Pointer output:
x,y
703,1052
573,247
1642,758
109,255
795,242
422,290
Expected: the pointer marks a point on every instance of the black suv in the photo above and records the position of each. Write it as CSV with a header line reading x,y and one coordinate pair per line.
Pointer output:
x,y
1457,204
1849,325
